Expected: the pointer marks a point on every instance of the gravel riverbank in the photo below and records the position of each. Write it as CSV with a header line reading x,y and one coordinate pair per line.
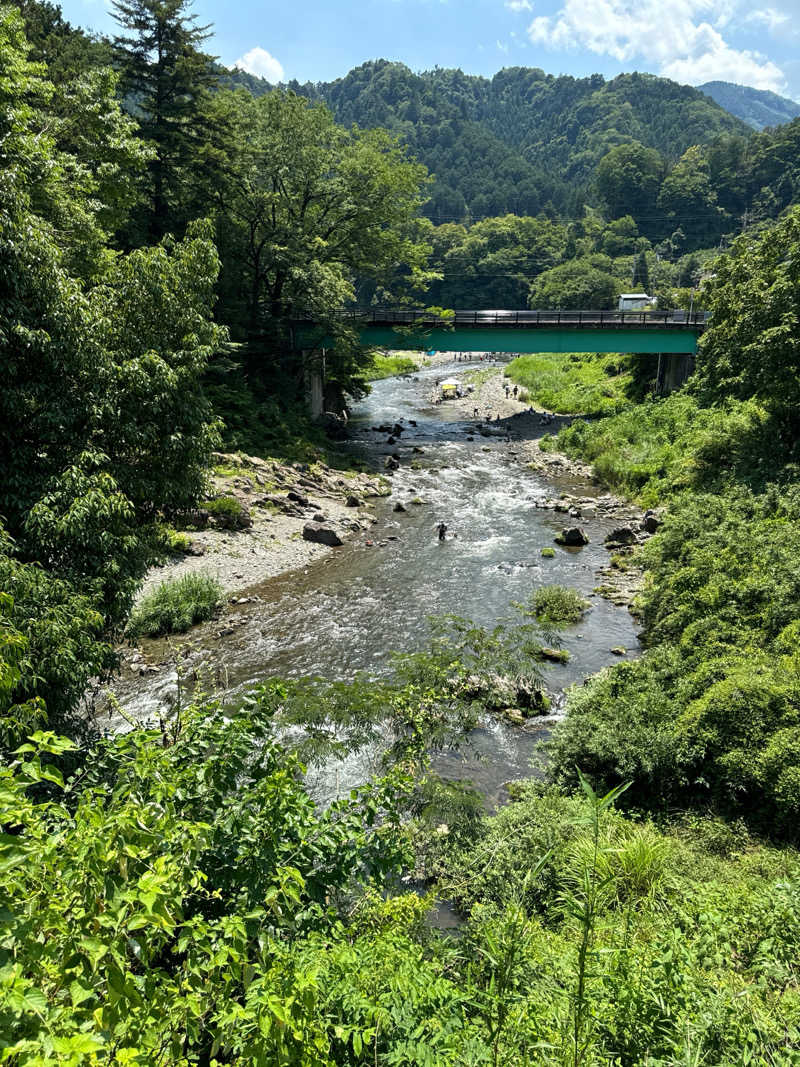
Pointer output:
x,y
277,501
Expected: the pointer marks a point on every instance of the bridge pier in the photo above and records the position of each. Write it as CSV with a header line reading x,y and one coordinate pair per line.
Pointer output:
x,y
673,371
314,376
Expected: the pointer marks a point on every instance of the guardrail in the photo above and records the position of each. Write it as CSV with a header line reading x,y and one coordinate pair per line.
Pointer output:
x,y
524,319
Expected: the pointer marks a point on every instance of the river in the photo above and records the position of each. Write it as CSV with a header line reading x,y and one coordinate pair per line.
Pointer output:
x,y
352,609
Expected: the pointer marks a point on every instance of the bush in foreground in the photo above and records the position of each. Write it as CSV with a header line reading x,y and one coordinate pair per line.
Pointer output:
x,y
176,605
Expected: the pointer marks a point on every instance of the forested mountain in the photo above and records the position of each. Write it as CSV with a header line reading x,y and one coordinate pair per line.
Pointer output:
x,y
521,142
759,108
524,141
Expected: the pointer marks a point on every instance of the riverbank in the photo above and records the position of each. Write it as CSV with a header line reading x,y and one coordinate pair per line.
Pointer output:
x,y
275,501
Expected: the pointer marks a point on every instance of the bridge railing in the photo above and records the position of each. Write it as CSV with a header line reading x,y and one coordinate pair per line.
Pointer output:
x,y
665,319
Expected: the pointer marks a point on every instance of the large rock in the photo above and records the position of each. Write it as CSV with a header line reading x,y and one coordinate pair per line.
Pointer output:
x,y
651,521
298,498
321,535
391,463
622,535
572,537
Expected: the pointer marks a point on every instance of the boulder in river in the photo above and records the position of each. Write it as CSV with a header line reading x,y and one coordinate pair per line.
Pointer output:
x,y
321,535
399,506
572,537
391,463
352,502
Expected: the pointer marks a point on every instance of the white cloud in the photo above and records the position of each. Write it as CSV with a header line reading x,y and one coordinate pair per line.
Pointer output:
x,y
769,17
502,47
519,5
680,38
261,62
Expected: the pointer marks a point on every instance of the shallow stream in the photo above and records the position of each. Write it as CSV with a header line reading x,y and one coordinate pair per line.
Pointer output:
x,y
351,610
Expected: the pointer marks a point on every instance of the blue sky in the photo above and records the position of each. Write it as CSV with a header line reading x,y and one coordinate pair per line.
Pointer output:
x,y
692,41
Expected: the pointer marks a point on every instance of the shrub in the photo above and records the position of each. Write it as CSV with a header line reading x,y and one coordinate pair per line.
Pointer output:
x,y
172,542
548,553
176,605
556,605
228,512
389,366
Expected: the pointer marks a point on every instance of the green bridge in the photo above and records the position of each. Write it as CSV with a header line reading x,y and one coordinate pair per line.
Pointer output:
x,y
657,332
669,335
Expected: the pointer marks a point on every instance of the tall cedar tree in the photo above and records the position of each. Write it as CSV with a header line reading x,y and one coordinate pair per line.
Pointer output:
x,y
167,78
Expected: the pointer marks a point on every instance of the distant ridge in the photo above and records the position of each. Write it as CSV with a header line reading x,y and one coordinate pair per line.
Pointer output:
x,y
759,108
523,141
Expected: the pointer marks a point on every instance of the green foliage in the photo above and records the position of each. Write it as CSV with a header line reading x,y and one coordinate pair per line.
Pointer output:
x,y
102,419
583,284
709,714
168,76
306,212
227,510
628,179
170,868
490,263
752,347
486,669
556,605
575,383
175,606
524,142
387,366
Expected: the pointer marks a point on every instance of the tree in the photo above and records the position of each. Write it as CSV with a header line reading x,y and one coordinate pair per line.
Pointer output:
x,y
579,284
167,77
309,215
103,423
641,273
67,51
491,263
752,347
628,179
687,197
620,237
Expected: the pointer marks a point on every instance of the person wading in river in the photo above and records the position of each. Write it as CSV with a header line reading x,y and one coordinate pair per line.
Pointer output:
x,y
442,530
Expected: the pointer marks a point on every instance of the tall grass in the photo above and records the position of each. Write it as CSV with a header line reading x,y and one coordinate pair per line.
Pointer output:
x,y
574,383
175,605
557,605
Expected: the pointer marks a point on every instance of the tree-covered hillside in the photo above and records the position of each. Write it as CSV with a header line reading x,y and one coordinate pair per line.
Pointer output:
x,y
524,141
759,108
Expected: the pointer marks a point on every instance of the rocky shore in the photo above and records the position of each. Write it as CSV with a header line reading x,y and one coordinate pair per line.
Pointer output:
x,y
286,516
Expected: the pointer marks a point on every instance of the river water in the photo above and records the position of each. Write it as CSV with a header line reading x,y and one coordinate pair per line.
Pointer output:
x,y
349,611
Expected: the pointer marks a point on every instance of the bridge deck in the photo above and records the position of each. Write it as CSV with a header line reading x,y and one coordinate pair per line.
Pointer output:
x,y
653,320
517,331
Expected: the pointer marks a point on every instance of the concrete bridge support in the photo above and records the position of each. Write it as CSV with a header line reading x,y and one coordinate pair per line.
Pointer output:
x,y
314,375
674,369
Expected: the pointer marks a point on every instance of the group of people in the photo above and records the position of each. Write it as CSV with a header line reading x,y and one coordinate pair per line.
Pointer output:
x,y
511,392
